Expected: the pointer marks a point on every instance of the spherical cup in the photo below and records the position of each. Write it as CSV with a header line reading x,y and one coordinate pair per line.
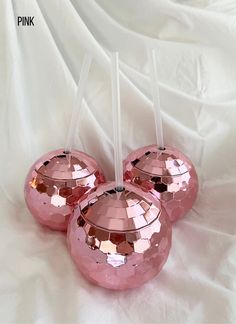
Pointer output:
x,y
56,182
167,174
119,240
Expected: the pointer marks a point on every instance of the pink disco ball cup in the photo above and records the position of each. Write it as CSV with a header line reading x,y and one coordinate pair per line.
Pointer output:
x,y
119,240
167,174
56,182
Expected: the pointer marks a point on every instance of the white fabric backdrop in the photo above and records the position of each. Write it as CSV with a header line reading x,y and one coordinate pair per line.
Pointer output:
x,y
40,67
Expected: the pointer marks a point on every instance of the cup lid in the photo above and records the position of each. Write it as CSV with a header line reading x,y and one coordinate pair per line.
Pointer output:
x,y
66,166
129,210
151,160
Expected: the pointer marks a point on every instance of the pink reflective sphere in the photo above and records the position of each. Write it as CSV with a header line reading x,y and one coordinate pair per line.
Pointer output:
x,y
56,182
167,174
119,240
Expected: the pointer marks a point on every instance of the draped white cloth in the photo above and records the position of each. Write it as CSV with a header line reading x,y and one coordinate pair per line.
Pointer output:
x,y
40,66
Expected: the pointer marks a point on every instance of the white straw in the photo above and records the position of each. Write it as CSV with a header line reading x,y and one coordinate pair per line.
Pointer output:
x,y
116,120
156,98
78,102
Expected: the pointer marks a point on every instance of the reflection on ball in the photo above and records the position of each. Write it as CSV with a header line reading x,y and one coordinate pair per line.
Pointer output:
x,y
167,174
56,182
119,240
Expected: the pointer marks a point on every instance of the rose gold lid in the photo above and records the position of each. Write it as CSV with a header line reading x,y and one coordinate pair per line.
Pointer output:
x,y
129,210
66,166
151,160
